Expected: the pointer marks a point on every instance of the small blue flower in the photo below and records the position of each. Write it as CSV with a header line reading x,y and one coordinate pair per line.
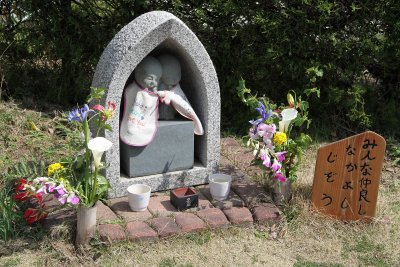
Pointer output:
x,y
264,114
79,114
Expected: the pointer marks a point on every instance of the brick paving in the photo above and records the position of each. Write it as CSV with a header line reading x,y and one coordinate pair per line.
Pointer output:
x,y
111,232
247,204
161,206
140,231
121,207
189,222
239,215
214,217
165,226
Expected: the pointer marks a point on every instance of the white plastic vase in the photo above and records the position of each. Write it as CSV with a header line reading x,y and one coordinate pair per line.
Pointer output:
x,y
138,196
220,185
86,225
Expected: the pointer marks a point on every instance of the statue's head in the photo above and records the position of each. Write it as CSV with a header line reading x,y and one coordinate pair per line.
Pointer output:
x,y
171,69
148,72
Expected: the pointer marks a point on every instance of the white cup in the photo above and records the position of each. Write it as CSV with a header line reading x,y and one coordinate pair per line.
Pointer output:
x,y
220,185
138,196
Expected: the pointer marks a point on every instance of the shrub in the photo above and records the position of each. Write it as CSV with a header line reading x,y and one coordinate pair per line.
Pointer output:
x,y
55,45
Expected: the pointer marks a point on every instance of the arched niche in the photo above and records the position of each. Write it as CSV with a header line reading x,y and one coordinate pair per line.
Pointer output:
x,y
151,34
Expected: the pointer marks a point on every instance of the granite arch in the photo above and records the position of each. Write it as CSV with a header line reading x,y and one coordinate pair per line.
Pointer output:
x,y
152,33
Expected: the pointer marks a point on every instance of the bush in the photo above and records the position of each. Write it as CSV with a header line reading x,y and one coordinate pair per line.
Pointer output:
x,y
56,44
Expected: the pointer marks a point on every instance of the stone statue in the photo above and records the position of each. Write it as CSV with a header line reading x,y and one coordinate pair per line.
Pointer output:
x,y
170,78
140,115
170,92
141,100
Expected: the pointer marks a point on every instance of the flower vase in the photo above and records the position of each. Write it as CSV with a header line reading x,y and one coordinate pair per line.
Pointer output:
x,y
282,192
220,185
86,225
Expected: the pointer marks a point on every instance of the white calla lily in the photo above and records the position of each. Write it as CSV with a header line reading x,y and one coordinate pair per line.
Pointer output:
x,y
288,115
98,146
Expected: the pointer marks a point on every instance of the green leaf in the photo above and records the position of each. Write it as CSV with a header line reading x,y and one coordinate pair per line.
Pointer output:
x,y
96,93
108,127
102,180
314,90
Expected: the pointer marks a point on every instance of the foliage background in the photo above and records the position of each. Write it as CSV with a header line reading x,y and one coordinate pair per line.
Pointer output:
x,y
49,49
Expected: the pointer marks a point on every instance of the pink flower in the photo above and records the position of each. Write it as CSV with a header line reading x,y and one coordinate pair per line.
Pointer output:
x,y
266,130
281,156
41,179
268,136
278,176
62,198
106,113
268,143
263,154
253,133
266,160
60,189
50,186
271,128
111,106
73,199
98,107
42,190
261,129
276,166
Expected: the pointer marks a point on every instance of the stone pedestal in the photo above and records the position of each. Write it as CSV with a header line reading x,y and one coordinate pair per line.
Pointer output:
x,y
171,150
166,112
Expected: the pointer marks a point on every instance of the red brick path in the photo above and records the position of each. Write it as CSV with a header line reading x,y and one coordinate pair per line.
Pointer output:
x,y
247,204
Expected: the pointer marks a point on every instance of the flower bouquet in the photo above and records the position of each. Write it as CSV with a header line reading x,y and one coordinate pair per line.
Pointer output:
x,y
277,140
77,180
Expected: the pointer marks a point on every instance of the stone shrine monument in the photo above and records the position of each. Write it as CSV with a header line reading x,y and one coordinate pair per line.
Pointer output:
x,y
175,157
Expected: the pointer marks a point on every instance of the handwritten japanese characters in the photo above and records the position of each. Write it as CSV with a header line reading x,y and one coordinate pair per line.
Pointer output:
x,y
347,176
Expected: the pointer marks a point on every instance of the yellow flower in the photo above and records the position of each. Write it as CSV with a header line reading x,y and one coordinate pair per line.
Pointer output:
x,y
55,167
279,138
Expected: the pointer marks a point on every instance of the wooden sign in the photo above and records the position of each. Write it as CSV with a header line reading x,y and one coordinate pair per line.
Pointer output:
x,y
347,176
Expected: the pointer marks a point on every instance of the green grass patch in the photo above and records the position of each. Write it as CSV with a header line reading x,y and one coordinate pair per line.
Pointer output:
x,y
11,262
171,262
315,264
261,234
368,252
395,207
200,238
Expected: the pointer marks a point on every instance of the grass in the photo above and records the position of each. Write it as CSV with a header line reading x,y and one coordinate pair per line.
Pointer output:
x,y
305,239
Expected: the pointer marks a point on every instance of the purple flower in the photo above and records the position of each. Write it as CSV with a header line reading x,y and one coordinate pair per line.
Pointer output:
x,y
281,156
60,189
268,143
263,154
261,129
276,166
264,115
266,159
253,133
62,198
79,114
42,190
278,176
73,199
271,128
40,180
50,187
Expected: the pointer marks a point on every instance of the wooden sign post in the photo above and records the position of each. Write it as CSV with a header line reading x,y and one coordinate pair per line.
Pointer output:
x,y
347,175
